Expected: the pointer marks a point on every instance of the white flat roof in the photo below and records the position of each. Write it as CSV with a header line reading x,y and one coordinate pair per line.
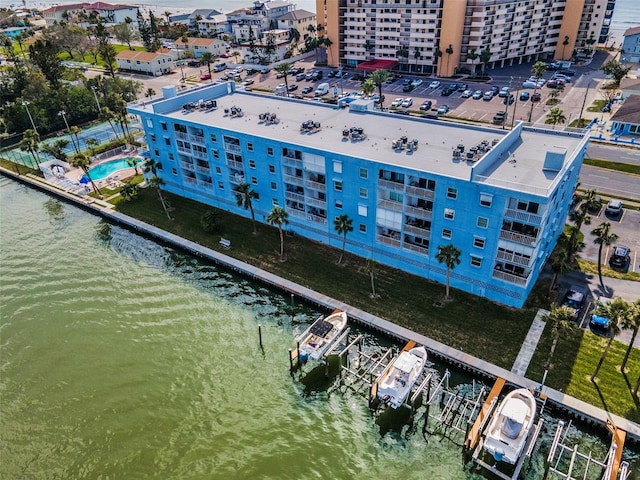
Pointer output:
x,y
436,139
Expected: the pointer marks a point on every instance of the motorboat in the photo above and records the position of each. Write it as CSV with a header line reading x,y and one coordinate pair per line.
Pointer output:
x,y
398,380
510,426
321,335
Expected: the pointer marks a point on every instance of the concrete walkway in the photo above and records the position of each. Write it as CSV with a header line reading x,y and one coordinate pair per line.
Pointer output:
x,y
529,345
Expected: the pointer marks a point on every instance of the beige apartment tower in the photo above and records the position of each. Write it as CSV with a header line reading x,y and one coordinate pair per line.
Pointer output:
x,y
444,36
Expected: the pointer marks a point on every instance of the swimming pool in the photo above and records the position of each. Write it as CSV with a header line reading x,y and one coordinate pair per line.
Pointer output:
x,y
107,169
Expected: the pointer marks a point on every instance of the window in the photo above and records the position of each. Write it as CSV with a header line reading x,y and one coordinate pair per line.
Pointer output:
x,y
256,196
272,168
478,242
167,141
157,152
452,192
482,222
213,137
171,156
364,173
163,125
364,193
174,171
274,202
149,123
449,214
476,261
337,166
250,147
337,185
446,233
362,227
216,154
254,180
152,137
339,204
486,200
252,164
270,151
362,210
218,170
221,185
274,186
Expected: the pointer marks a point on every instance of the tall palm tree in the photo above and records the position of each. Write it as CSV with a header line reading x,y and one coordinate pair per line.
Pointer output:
x,y
485,57
604,236
449,51
284,68
616,312
371,268
473,56
343,225
450,256
560,318
129,191
245,197
92,143
133,162
279,217
378,77
74,131
555,116
29,143
631,322
368,87
591,201
107,115
56,149
80,160
565,42
208,58
537,71
561,262
154,181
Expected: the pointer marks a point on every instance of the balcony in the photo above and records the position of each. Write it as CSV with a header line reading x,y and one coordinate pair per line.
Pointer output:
x,y
390,205
397,186
236,179
511,257
190,180
296,197
418,212
524,217
292,180
387,240
316,202
421,232
234,164
316,219
509,277
232,148
294,212
315,185
416,248
292,162
187,166
202,169
518,238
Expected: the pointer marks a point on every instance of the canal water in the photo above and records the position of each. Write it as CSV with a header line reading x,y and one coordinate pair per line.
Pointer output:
x,y
124,358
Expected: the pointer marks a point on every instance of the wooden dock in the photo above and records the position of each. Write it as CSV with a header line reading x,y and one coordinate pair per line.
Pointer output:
x,y
476,430
618,438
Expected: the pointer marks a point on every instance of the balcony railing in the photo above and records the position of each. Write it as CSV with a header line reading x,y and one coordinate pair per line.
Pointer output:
x,y
316,219
421,232
190,180
416,248
510,257
292,162
419,192
390,185
293,180
202,169
528,218
230,147
296,213
316,202
509,277
418,212
390,205
237,179
315,185
234,164
518,238
296,197
187,166
394,242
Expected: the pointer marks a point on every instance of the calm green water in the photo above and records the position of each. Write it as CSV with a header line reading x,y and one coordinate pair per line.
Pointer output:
x,y
124,359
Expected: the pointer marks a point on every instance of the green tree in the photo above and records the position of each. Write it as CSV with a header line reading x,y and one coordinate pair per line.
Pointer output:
x,y
449,51
80,160
368,87
56,149
555,116
105,49
565,42
485,58
604,236
343,225
560,318
379,77
129,191
107,115
45,55
616,311
537,71
133,162
450,256
151,168
561,262
124,33
29,143
150,92
473,56
591,201
209,221
279,217
284,69
631,322
208,58
244,197
92,143
616,70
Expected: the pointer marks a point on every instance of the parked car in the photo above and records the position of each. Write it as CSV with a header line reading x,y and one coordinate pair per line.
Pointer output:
x,y
205,76
453,87
500,117
504,92
488,96
308,75
265,70
293,87
416,83
494,89
524,96
509,100
248,82
529,84
462,87
567,71
307,89
443,109
466,94
397,102
477,95
407,102
332,73
408,88
317,75
614,208
606,108
434,84
536,97
598,323
573,299
620,257
193,63
426,105
446,92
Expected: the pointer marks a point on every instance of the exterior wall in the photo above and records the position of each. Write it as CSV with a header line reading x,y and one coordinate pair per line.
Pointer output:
x,y
301,25
631,48
328,17
400,215
160,65
452,26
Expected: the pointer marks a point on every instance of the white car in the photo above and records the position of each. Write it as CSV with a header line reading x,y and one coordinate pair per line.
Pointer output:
x,y
466,94
434,84
407,102
529,84
397,102
416,83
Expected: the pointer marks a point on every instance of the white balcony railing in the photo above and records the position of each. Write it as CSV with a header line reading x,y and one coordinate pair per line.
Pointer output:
x,y
518,238
509,277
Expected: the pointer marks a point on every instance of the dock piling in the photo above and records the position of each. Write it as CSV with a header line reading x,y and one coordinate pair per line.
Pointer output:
x,y
260,335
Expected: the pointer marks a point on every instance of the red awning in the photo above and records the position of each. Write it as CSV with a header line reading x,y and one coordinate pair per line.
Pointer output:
x,y
377,64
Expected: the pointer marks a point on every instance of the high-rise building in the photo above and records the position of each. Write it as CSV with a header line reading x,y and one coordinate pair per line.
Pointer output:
x,y
410,185
441,36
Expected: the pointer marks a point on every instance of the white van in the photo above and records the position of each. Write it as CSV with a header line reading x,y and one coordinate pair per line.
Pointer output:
x,y
322,89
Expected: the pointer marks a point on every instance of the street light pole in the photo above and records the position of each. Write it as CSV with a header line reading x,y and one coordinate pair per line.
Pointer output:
x,y
26,106
62,113
93,89
584,101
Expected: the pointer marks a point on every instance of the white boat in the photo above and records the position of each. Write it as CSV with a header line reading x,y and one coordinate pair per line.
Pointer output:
x,y
510,426
397,381
320,336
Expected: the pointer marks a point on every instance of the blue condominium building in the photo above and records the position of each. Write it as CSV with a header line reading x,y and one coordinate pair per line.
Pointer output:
x,y
410,185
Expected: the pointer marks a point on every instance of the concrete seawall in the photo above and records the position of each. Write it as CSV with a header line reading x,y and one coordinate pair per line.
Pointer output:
x,y
562,402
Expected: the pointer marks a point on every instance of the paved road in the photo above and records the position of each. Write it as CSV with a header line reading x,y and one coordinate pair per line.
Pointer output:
x,y
600,151
610,182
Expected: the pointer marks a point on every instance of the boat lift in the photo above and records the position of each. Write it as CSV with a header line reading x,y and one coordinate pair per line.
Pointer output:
x,y
611,467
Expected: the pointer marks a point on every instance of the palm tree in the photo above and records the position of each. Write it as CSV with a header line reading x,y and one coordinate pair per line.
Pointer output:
x,y
537,70
631,322
378,78
133,162
616,312
343,225
29,143
449,51
80,160
168,15
74,131
565,42
235,54
129,191
485,57
371,268
92,143
555,116
561,318
107,115
154,181
278,217
450,256
561,262
284,68
245,197
368,87
591,201
473,55
150,92
208,58
604,236
56,149
209,221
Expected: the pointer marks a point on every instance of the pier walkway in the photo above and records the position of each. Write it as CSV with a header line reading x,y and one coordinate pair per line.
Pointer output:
x,y
468,362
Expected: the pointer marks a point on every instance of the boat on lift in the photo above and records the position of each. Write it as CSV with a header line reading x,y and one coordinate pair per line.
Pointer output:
x,y
398,380
321,335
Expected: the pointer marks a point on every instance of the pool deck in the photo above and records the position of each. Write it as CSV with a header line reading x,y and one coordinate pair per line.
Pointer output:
x,y
571,405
